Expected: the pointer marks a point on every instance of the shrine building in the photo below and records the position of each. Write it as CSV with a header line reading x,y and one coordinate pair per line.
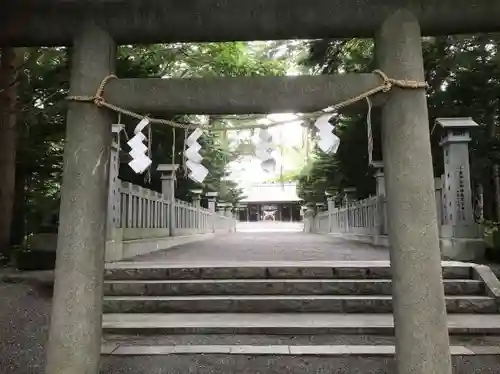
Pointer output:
x,y
271,201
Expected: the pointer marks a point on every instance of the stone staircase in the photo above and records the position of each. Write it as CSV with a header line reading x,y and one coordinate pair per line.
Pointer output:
x,y
286,317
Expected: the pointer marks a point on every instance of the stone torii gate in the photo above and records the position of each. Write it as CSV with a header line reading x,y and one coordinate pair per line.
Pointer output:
x,y
95,27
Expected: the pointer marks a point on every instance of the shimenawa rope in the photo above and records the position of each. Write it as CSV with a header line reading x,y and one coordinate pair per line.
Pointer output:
x,y
386,85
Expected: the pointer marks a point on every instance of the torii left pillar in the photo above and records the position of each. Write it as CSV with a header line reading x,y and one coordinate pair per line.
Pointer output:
x,y
75,331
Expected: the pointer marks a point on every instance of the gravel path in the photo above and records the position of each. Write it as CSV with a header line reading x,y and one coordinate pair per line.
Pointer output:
x,y
24,321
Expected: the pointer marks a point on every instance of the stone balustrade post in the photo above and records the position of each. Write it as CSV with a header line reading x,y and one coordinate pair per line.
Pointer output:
x,y
319,206
229,215
349,198
168,172
309,214
114,206
212,204
380,192
197,204
331,209
197,218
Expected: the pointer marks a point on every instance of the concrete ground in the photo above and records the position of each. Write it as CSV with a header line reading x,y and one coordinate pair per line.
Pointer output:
x,y
270,241
25,310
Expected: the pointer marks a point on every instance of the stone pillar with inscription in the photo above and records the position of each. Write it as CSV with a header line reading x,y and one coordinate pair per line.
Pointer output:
x,y
460,235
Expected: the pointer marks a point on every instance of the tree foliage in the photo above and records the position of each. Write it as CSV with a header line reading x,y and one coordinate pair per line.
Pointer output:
x,y
463,74
43,85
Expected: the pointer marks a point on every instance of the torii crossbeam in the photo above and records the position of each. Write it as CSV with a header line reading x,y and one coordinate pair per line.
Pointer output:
x,y
54,22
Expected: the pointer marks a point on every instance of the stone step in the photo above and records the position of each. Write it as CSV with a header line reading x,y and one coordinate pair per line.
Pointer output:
x,y
273,287
134,349
282,324
281,360
280,304
269,270
256,339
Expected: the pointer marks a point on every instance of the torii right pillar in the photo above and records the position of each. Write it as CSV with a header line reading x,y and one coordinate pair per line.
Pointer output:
x,y
422,342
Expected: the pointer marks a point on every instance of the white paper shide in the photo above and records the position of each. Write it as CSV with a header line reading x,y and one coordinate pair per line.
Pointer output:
x,y
263,151
197,172
140,161
328,142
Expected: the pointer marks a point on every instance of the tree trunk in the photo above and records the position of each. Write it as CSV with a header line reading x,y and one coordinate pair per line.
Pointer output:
x,y
8,141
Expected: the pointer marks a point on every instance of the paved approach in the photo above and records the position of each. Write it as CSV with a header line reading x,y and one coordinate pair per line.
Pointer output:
x,y
269,241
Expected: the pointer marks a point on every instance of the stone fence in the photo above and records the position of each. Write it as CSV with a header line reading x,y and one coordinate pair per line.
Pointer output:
x,y
457,207
141,208
366,220
142,221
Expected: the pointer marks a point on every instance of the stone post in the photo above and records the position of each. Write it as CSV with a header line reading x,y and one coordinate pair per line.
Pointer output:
x,y
221,211
229,215
350,193
331,210
380,191
228,211
221,208
113,237
168,191
319,206
422,343
309,218
350,198
197,204
74,343
113,194
379,177
212,203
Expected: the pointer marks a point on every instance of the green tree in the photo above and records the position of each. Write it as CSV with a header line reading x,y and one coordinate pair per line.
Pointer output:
x,y
43,86
462,72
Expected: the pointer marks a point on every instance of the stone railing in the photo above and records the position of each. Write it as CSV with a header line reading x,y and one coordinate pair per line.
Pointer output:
x,y
457,206
142,221
364,217
141,208
367,220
